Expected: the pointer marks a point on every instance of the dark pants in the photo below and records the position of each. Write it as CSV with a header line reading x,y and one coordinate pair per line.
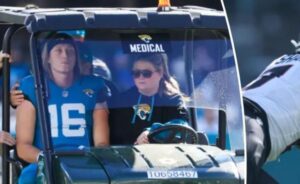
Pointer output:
x,y
258,141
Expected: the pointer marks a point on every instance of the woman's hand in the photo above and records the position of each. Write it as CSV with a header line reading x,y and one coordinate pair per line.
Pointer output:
x,y
6,138
142,138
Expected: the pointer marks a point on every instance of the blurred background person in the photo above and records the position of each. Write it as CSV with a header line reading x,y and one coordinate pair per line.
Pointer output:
x,y
121,75
90,65
205,60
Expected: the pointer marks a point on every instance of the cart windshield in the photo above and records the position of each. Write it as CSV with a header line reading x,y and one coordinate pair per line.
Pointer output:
x,y
148,74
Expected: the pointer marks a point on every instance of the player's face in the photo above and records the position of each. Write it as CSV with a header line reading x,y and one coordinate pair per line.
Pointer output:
x,y
146,77
62,58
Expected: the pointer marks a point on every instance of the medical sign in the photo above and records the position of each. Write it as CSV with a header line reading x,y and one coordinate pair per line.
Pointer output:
x,y
145,43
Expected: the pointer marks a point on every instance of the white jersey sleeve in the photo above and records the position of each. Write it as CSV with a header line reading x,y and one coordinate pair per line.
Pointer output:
x,y
277,91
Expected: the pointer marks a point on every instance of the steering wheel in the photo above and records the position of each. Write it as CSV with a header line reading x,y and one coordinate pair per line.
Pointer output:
x,y
173,134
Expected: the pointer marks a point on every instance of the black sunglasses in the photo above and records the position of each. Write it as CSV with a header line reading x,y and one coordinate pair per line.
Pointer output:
x,y
144,73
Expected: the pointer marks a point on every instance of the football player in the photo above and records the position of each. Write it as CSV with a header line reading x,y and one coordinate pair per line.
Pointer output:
x,y
76,105
272,109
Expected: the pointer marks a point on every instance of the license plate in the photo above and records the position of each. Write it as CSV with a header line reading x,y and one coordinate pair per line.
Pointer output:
x,y
163,174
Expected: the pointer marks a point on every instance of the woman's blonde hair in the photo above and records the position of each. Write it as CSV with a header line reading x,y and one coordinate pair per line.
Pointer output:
x,y
168,85
52,40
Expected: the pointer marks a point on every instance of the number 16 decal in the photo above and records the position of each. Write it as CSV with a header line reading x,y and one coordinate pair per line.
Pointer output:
x,y
67,121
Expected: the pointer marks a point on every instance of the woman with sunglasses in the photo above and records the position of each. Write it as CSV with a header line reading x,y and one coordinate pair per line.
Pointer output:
x,y
155,97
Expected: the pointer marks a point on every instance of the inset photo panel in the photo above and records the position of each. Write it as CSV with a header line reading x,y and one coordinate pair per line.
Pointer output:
x,y
267,44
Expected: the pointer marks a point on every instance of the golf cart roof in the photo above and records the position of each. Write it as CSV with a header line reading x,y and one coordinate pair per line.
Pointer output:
x,y
46,19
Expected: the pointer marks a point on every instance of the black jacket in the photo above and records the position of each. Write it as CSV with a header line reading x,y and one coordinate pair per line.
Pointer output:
x,y
129,115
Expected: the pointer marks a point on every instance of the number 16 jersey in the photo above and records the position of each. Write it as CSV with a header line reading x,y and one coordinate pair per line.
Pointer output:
x,y
70,110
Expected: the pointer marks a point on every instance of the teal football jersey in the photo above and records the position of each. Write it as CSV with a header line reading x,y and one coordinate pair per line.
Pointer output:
x,y
70,110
